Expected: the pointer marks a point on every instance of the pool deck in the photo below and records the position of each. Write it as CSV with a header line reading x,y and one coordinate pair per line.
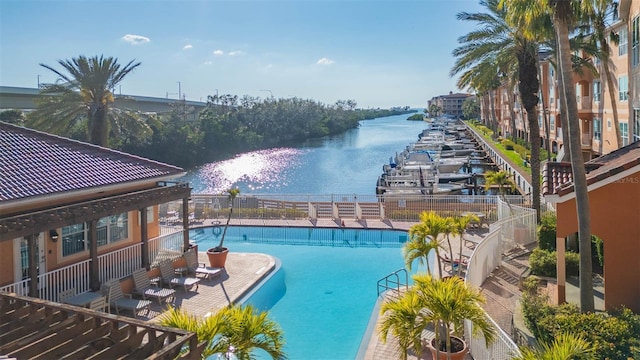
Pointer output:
x,y
244,270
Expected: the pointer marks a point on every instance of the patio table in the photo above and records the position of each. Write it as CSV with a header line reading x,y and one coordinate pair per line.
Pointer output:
x,y
84,299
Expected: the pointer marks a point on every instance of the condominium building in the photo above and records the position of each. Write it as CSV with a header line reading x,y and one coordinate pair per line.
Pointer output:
x,y
450,104
596,107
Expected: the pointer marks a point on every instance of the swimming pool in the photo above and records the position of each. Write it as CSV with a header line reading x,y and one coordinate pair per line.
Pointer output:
x,y
325,290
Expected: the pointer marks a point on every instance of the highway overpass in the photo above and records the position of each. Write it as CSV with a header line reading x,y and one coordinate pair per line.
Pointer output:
x,y
23,99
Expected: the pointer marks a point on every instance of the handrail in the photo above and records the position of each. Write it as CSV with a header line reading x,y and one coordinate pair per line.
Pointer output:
x,y
397,282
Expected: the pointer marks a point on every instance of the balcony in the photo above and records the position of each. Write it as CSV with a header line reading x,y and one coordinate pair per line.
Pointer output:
x,y
586,140
584,103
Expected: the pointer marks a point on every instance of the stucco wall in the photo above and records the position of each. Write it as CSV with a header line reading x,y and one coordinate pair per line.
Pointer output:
x,y
615,217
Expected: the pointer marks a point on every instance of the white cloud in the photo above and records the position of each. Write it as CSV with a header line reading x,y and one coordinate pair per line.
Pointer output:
x,y
218,52
325,61
235,53
208,62
136,39
187,47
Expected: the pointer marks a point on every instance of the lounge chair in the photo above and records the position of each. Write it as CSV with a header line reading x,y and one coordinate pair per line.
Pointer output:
x,y
99,304
142,287
118,300
65,294
198,268
170,278
453,265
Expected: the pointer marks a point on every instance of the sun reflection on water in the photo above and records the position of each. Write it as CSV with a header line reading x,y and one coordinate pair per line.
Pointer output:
x,y
252,171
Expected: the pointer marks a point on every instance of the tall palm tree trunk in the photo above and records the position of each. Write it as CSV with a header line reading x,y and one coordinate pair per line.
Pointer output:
x,y
612,94
529,87
99,126
577,165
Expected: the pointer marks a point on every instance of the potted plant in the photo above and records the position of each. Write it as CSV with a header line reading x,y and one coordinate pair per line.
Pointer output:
x,y
218,255
441,304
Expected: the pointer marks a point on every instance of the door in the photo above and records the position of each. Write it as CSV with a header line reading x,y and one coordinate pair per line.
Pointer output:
x,y
21,263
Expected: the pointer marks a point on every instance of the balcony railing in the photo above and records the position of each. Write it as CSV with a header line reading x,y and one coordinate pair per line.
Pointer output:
x,y
113,265
586,140
584,102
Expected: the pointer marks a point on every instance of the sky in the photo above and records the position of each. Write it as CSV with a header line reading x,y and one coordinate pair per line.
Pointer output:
x,y
377,53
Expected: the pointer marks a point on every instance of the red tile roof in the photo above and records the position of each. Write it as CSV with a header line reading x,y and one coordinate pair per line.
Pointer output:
x,y
34,163
558,176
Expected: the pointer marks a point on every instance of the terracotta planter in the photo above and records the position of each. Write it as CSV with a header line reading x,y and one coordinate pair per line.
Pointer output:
x,y
443,354
217,259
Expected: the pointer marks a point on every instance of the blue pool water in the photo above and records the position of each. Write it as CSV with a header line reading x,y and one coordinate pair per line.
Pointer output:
x,y
326,289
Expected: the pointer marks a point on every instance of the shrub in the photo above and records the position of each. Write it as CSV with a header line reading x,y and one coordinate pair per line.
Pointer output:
x,y
547,231
616,337
543,263
508,144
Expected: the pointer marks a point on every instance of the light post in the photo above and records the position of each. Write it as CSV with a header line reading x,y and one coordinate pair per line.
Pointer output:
x,y
38,81
270,92
179,90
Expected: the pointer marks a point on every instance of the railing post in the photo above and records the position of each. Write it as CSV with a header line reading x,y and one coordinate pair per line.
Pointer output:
x,y
144,250
33,265
94,278
185,223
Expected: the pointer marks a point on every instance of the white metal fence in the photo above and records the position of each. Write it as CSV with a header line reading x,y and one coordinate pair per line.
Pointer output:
x,y
333,206
515,227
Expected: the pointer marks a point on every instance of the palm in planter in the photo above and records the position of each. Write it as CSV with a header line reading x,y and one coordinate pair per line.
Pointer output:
x,y
442,304
233,332
447,303
218,255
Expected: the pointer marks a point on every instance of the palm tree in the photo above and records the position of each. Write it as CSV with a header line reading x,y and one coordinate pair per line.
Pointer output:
x,y
598,21
500,178
233,193
565,13
402,318
459,226
423,238
564,347
83,99
496,39
236,330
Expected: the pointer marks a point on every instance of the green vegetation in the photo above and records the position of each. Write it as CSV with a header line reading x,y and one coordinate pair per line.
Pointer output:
x,y
233,332
81,106
544,263
416,117
614,336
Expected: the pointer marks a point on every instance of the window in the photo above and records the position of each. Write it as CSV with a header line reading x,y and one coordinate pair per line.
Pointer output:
x,y
552,122
635,41
540,122
109,230
113,228
623,88
624,133
596,91
73,239
622,45
597,129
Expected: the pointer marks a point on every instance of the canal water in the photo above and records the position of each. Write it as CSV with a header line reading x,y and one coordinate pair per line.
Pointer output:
x,y
349,163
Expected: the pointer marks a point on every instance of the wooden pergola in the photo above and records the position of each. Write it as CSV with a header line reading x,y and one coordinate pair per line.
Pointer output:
x,y
33,328
30,224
